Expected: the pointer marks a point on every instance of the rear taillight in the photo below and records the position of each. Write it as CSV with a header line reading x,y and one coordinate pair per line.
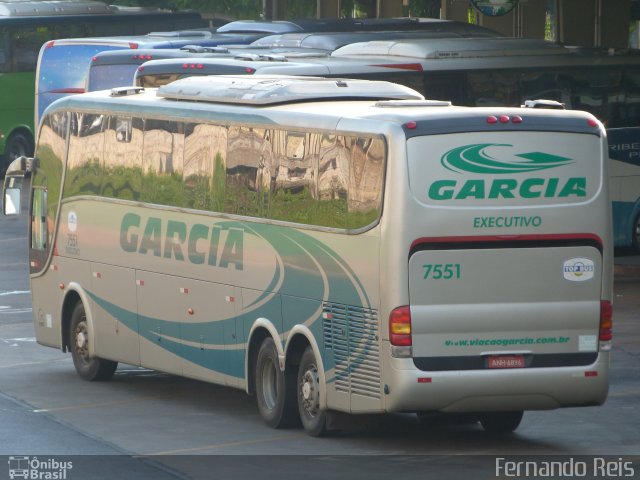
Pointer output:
x,y
606,321
400,327
400,332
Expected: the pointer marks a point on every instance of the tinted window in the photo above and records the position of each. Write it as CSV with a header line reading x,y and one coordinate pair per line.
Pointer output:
x,y
123,158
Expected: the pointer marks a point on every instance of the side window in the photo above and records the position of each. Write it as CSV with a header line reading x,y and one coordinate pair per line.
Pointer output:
x,y
366,181
39,228
333,180
84,163
162,162
204,166
247,150
294,178
46,182
123,140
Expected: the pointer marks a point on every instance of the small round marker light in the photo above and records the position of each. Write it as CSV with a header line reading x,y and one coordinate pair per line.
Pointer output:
x,y
592,122
516,119
491,119
411,125
249,70
504,119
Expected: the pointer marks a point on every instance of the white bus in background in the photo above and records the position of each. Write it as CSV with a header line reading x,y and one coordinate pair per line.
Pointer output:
x,y
326,245
483,72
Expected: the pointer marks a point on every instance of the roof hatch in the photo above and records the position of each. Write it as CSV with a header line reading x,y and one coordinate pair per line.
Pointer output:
x,y
274,89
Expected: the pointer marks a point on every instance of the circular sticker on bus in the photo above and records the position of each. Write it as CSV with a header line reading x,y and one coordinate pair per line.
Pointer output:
x,y
578,269
494,8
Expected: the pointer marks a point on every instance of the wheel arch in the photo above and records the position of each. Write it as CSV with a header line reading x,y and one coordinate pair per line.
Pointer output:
x,y
74,294
262,328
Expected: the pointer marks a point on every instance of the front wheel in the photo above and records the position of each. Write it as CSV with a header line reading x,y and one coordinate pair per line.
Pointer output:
x,y
89,368
500,422
275,389
314,420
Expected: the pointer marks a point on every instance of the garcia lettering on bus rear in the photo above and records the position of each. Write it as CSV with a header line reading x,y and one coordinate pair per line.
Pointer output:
x,y
491,171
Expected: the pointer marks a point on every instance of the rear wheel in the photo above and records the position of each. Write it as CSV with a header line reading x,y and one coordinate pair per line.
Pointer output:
x,y
314,420
89,368
275,389
500,422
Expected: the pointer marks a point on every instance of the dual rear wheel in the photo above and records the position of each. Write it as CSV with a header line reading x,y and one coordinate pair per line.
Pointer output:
x,y
286,399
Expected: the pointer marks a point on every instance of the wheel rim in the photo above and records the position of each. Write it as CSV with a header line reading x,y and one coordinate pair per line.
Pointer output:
x,y
81,341
269,385
309,391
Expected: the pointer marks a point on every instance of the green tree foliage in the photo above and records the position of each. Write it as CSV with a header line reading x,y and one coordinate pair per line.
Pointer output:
x,y
252,9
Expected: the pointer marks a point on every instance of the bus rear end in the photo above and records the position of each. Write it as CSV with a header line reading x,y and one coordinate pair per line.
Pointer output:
x,y
504,229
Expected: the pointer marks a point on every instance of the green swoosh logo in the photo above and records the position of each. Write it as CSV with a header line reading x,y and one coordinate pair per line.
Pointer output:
x,y
475,159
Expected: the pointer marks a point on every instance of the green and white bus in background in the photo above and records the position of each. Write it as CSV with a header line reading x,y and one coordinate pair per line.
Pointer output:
x,y
26,25
326,245
482,72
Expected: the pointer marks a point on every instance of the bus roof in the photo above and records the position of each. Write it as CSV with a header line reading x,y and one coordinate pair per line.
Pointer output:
x,y
453,48
295,101
357,24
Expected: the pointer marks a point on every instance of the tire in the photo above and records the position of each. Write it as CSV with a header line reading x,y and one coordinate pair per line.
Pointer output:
x,y
275,390
17,145
500,422
313,419
89,368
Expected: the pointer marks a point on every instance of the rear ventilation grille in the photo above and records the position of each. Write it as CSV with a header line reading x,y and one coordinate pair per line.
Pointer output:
x,y
352,334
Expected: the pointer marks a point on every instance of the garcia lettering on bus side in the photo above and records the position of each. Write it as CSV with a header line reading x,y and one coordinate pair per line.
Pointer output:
x,y
174,240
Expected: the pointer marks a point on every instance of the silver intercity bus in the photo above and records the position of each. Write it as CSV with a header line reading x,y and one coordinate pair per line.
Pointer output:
x,y
327,245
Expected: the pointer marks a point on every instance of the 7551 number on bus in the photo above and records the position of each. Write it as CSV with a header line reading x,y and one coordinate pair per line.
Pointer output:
x,y
441,271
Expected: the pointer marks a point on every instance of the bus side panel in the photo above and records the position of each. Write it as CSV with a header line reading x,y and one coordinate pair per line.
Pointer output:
x,y
115,319
46,307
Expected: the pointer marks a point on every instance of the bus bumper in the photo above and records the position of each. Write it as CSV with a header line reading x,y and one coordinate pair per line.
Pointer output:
x,y
413,390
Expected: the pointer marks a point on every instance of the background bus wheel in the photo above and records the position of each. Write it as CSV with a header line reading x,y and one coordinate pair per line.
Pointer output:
x,y
89,368
313,419
275,390
500,422
18,145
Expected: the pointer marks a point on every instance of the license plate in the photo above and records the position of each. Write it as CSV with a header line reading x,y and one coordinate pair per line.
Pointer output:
x,y
506,361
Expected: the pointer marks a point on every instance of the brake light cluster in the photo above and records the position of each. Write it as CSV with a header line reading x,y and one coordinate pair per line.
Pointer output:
x,y
606,324
192,66
400,332
492,119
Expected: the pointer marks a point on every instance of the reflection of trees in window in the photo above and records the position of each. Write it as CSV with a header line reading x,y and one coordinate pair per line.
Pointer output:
x,y
246,150
366,179
84,161
162,162
294,197
204,170
47,178
123,158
